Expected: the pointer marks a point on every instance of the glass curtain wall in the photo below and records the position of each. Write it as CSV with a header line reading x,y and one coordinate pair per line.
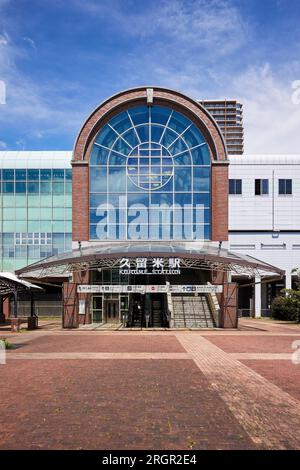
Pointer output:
x,y
150,178
36,217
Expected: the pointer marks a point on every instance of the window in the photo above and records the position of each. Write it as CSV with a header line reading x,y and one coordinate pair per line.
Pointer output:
x,y
285,186
235,186
145,157
261,187
33,238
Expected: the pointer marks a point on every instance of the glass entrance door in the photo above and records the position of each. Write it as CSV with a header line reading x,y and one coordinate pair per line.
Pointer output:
x,y
97,309
112,311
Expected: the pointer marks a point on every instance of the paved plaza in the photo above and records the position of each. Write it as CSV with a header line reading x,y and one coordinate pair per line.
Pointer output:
x,y
204,389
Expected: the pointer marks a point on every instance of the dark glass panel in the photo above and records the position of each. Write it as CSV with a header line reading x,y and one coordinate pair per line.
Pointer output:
x,y
183,159
117,159
257,187
238,186
97,200
20,187
288,186
193,136
143,132
58,188
45,187
156,133
160,115
178,146
99,155
106,136
122,147
183,179
201,155
8,187
183,198
201,179
178,122
98,179
121,122
265,186
68,188
45,175
139,114
20,175
201,199
131,138
8,175
33,175
162,198
117,179
168,138
138,199
68,174
58,174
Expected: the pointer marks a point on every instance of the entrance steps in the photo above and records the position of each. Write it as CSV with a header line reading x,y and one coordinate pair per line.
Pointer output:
x,y
192,312
101,326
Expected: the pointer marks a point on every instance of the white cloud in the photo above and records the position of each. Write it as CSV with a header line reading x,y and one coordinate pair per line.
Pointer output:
x,y
30,42
271,119
3,145
192,24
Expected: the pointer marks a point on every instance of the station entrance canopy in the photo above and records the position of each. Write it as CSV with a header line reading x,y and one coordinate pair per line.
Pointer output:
x,y
109,256
10,283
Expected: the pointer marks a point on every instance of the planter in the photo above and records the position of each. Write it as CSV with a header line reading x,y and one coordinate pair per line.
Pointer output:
x,y
32,323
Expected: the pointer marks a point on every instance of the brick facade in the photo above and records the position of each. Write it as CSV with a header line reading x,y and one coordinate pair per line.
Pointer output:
x,y
123,100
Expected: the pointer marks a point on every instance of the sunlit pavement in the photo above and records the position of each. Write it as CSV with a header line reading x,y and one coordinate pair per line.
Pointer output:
x,y
152,389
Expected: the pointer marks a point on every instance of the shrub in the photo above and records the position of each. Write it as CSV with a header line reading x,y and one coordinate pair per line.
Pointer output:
x,y
288,307
7,344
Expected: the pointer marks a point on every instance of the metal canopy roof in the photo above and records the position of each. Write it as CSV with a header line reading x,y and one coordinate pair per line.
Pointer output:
x,y
106,255
10,283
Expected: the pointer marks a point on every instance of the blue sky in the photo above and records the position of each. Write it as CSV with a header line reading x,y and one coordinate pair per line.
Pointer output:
x,y
59,59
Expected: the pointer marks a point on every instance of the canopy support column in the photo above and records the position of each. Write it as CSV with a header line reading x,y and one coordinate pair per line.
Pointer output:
x,y
15,321
2,316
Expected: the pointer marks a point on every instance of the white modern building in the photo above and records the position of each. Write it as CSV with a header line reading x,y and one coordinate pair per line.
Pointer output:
x,y
264,219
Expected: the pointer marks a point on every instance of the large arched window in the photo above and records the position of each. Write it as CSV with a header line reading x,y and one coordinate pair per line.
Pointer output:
x,y
150,178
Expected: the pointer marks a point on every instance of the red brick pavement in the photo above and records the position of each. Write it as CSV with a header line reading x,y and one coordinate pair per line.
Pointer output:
x,y
102,343
252,343
162,404
284,374
195,394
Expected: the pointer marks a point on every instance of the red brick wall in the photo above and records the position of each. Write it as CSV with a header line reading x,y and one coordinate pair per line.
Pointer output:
x,y
219,202
80,203
229,306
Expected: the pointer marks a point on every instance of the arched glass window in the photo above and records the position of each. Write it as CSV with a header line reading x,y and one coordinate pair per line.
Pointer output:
x,y
150,178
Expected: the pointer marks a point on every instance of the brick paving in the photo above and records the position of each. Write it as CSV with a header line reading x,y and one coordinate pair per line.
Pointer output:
x,y
108,343
162,404
282,373
260,406
255,344
151,389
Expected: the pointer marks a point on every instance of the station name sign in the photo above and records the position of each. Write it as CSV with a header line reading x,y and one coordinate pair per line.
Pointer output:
x,y
142,289
149,266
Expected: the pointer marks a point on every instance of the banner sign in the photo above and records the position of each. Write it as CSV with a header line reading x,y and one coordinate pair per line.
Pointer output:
x,y
149,266
141,289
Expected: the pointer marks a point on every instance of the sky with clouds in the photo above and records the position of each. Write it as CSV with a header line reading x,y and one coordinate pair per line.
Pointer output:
x,y
59,59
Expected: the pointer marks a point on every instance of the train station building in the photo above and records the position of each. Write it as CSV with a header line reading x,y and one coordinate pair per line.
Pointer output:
x,y
149,220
